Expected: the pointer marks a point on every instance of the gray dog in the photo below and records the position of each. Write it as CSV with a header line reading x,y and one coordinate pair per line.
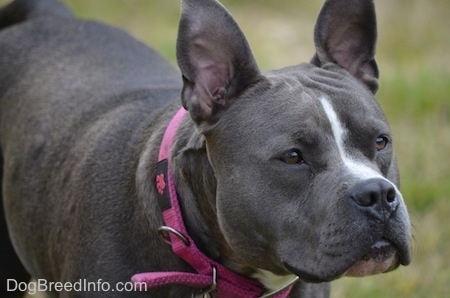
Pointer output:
x,y
272,184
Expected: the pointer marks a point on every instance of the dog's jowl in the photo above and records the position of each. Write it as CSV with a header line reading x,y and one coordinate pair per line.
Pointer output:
x,y
124,177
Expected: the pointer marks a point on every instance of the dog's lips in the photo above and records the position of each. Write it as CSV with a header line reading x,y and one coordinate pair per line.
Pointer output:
x,y
382,257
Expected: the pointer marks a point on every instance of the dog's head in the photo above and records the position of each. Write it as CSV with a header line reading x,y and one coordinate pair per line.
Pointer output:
x,y
307,181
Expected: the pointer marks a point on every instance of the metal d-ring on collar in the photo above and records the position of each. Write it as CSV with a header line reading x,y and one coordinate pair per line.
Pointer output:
x,y
166,239
207,293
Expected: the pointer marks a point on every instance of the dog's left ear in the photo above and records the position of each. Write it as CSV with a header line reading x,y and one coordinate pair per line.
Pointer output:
x,y
346,34
214,57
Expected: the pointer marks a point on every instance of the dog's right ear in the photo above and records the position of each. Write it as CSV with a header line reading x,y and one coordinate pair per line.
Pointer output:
x,y
214,57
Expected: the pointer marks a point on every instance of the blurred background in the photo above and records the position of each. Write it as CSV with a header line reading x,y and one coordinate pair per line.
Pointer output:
x,y
414,59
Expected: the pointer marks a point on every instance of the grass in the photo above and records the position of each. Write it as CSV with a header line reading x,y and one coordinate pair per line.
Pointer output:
x,y
414,59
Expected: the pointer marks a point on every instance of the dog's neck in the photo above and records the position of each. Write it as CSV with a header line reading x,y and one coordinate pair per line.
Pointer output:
x,y
196,185
208,263
196,188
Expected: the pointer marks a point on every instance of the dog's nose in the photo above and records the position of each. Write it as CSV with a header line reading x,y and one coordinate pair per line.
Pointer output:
x,y
376,196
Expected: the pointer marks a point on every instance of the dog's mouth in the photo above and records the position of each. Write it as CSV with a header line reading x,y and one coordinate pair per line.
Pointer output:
x,y
383,256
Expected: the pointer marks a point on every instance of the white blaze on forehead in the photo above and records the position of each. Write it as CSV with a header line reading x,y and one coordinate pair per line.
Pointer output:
x,y
356,167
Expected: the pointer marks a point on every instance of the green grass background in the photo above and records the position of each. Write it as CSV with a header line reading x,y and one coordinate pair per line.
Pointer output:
x,y
414,60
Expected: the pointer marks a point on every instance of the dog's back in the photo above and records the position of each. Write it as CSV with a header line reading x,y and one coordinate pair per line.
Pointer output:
x,y
41,40
70,74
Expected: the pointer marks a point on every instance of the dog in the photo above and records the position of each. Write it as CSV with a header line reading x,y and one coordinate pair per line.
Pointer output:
x,y
255,183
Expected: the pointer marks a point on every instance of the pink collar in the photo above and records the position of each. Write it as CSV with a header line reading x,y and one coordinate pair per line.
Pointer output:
x,y
211,278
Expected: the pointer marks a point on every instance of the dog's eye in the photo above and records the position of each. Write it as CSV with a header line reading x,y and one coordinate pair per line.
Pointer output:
x,y
382,142
292,156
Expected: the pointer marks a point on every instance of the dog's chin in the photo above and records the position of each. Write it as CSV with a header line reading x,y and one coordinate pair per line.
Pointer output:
x,y
382,257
